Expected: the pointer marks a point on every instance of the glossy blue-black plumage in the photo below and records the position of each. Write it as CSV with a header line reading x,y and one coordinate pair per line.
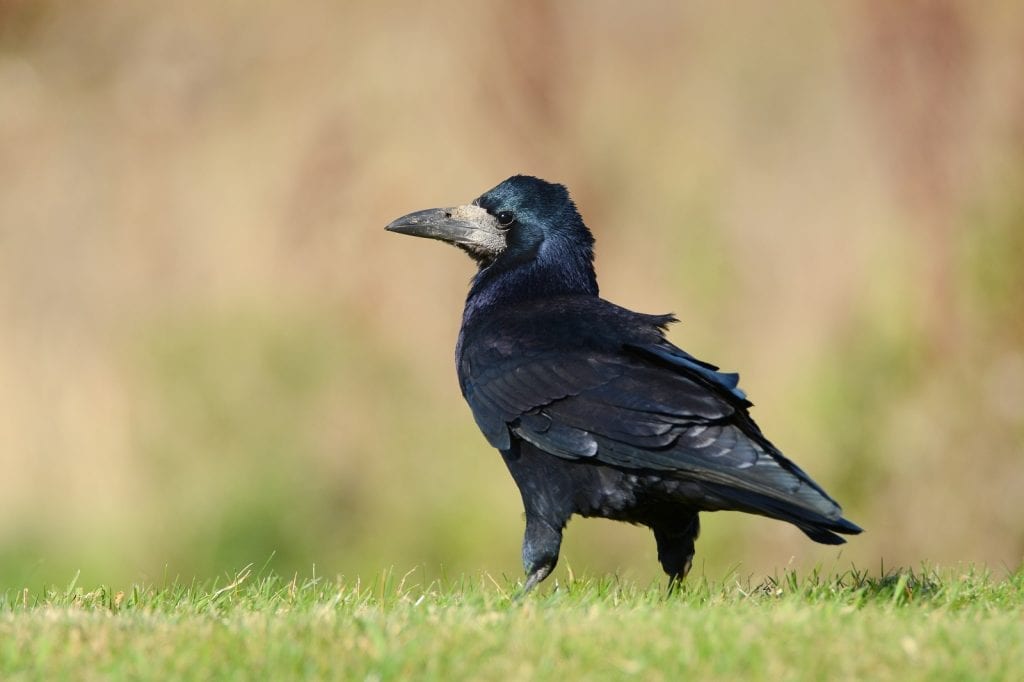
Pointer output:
x,y
595,412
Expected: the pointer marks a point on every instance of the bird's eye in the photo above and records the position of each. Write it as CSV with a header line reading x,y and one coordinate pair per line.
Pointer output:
x,y
505,218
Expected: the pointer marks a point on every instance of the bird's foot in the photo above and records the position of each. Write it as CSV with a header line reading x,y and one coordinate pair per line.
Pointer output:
x,y
675,582
532,581
675,578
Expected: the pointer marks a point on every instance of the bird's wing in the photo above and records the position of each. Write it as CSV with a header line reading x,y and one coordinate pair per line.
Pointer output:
x,y
640,408
683,361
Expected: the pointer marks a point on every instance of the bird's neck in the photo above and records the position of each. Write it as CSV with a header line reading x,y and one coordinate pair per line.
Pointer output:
x,y
546,275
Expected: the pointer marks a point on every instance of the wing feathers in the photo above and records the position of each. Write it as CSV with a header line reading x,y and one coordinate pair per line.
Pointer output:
x,y
632,412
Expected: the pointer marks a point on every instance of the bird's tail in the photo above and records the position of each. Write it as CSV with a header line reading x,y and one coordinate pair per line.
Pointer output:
x,y
823,532
816,525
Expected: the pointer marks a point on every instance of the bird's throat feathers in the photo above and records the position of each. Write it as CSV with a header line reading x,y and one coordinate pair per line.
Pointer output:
x,y
561,264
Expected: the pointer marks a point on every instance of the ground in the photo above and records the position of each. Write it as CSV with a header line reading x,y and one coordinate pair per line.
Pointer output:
x,y
934,624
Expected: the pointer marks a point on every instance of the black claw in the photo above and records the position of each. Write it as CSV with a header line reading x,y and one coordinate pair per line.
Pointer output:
x,y
532,581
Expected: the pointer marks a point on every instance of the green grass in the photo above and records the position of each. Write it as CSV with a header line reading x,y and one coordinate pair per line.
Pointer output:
x,y
927,624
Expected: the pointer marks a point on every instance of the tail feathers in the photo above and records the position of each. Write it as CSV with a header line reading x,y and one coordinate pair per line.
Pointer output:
x,y
821,533
815,525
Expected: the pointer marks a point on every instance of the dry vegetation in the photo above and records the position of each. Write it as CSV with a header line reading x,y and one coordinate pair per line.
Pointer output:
x,y
210,351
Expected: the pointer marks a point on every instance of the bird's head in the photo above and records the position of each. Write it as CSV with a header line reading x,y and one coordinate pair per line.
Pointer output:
x,y
522,219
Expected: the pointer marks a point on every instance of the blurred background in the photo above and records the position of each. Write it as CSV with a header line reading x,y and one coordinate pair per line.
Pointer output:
x,y
212,354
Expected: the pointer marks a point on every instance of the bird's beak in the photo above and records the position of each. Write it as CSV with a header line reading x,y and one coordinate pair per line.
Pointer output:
x,y
469,227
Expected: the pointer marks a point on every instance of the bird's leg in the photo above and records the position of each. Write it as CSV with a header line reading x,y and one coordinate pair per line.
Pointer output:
x,y
541,544
675,538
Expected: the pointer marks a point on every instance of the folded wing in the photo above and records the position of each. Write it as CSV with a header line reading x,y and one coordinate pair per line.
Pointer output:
x,y
654,408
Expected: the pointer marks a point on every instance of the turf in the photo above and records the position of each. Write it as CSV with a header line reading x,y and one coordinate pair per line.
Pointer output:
x,y
933,624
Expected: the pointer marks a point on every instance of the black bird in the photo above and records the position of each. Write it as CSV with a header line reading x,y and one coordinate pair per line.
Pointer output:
x,y
593,410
